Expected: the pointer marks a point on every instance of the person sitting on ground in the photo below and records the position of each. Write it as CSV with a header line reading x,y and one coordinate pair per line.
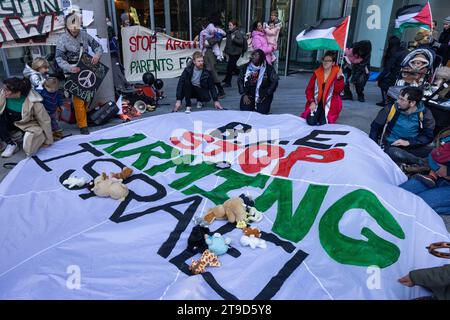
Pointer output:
x,y
196,83
405,129
37,73
323,100
257,83
437,280
21,107
52,100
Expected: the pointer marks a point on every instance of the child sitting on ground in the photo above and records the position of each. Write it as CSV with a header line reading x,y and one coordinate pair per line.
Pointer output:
x,y
37,73
52,100
439,158
212,32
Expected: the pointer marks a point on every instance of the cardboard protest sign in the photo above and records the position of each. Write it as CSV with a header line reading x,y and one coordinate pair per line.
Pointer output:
x,y
85,83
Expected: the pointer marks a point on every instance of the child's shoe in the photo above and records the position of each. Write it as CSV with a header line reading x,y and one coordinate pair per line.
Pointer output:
x,y
427,179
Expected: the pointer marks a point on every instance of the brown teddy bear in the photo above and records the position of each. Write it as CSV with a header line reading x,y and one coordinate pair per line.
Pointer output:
x,y
126,172
232,210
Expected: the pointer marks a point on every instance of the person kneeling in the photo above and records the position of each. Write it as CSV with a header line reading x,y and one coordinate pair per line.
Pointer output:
x,y
196,83
22,107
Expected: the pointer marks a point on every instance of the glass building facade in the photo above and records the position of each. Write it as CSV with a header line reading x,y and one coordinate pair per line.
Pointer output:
x,y
370,19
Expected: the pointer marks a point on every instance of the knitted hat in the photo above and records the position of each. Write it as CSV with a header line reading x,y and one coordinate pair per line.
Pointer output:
x,y
447,20
51,84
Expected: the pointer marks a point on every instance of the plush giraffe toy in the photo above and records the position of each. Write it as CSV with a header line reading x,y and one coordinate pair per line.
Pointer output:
x,y
208,259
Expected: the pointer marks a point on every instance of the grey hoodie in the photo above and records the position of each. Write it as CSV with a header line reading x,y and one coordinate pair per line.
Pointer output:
x,y
68,49
37,79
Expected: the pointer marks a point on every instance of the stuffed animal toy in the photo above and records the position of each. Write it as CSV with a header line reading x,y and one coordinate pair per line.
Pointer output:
x,y
253,215
252,231
231,210
124,175
196,240
241,224
253,242
217,244
110,187
74,181
208,259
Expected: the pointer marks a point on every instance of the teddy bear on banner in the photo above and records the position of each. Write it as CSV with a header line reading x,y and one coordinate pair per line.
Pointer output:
x,y
235,210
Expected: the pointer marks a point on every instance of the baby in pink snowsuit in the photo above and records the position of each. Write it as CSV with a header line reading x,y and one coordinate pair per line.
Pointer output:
x,y
211,32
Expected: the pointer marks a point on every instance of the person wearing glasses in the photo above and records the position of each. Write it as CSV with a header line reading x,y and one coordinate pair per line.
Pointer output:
x,y
323,100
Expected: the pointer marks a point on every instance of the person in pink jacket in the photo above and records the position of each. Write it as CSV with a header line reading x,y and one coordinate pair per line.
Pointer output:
x,y
259,41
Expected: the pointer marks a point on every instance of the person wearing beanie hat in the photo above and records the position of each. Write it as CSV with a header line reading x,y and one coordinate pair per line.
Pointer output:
x,y
52,100
69,48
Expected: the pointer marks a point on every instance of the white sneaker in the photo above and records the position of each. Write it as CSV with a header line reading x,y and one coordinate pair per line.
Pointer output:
x,y
10,150
188,110
199,105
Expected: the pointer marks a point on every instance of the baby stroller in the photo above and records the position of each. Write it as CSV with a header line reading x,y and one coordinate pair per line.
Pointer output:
x,y
417,69
437,98
143,97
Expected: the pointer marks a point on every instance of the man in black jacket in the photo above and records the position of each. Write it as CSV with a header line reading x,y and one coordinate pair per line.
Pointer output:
x,y
196,83
443,44
257,83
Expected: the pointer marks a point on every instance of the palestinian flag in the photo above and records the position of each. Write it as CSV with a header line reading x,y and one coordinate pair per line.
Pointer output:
x,y
328,34
414,16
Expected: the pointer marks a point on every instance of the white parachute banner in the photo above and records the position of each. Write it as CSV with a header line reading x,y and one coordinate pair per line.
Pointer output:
x,y
335,223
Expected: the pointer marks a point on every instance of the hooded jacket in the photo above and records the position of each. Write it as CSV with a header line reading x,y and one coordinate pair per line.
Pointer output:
x,y
235,42
259,41
35,122
37,79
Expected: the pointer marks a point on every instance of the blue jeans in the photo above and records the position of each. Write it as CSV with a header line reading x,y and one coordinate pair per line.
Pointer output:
x,y
437,197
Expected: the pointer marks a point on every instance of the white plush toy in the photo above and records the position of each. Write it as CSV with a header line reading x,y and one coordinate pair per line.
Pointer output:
x,y
110,187
254,215
74,181
253,242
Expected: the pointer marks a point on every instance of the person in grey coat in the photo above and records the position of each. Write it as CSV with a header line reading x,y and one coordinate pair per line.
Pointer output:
x,y
233,48
437,280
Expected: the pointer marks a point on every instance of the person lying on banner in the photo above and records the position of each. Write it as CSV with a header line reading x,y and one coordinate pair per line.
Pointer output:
x,y
69,48
196,82
324,103
22,108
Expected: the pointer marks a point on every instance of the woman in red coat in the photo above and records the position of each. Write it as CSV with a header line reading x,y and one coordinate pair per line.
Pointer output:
x,y
324,102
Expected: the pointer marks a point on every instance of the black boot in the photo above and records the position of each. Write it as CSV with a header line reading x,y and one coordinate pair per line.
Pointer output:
x,y
347,93
220,91
383,102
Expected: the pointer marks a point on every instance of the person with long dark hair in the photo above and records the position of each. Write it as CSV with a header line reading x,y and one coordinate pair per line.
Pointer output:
x,y
257,84
22,108
323,100
392,59
259,41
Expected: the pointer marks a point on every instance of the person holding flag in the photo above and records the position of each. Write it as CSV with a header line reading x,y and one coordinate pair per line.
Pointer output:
x,y
324,103
323,100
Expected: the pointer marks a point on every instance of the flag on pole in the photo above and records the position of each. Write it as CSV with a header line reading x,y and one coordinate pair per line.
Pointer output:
x,y
328,34
414,16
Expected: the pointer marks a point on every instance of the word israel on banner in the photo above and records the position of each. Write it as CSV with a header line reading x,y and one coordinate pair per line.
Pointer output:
x,y
144,51
335,223
29,18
